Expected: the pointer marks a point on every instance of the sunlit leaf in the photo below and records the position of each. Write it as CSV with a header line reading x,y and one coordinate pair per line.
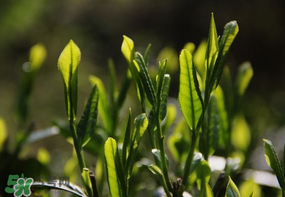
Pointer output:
x,y
272,161
43,156
157,156
199,59
146,53
223,116
145,80
250,188
241,135
110,151
170,117
230,31
128,49
86,178
37,56
189,93
244,76
68,66
3,133
172,59
206,191
86,126
190,46
232,190
141,124
212,46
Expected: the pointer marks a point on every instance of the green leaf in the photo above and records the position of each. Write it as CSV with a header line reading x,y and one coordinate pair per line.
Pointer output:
x,y
199,59
155,170
232,190
172,59
43,156
223,117
68,66
112,81
127,139
212,46
189,94
250,188
110,151
156,153
241,134
71,188
37,56
103,103
170,117
203,174
87,124
141,124
146,53
160,76
245,73
145,79
164,96
195,163
230,31
128,49
178,140
190,46
3,133
206,191
273,162
209,137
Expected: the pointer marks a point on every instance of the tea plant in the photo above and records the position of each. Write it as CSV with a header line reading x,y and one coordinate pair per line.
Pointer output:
x,y
180,152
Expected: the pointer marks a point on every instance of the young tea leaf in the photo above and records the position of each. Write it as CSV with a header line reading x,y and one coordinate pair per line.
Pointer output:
x,y
103,103
189,94
127,139
230,31
110,151
206,191
3,133
212,46
273,162
86,126
203,173
68,66
164,97
145,79
232,190
128,49
245,74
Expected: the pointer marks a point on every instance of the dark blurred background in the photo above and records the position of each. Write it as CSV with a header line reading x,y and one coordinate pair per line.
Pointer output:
x,y
97,28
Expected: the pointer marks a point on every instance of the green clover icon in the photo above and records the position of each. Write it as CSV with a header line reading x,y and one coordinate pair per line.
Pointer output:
x,y
23,187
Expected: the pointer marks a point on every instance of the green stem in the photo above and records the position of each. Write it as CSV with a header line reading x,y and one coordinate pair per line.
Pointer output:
x,y
162,155
189,160
79,153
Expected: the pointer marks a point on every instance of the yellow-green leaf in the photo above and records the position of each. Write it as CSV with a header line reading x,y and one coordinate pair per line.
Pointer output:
x,y
245,74
128,49
3,133
37,56
110,151
249,187
212,45
232,190
189,94
68,66
272,161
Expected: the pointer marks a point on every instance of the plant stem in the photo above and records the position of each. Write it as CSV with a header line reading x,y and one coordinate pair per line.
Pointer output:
x,y
162,155
79,153
189,160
